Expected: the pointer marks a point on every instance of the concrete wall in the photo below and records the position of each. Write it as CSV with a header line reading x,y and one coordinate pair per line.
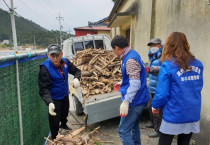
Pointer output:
x,y
191,17
129,5
139,25
143,27
104,32
158,18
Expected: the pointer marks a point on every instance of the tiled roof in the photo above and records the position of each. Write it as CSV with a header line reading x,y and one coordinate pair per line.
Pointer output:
x,y
92,28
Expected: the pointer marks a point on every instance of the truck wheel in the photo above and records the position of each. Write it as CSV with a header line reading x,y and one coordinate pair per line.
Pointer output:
x,y
78,105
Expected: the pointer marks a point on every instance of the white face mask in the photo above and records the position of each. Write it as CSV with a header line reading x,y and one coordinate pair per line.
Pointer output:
x,y
154,49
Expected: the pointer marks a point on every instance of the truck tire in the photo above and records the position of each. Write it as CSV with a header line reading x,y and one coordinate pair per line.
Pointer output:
x,y
78,105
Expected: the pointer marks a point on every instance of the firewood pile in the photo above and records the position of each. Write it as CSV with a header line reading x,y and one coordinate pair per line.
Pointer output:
x,y
77,137
101,69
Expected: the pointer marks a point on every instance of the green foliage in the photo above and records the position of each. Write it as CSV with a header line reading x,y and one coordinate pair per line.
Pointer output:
x,y
22,26
27,31
43,38
6,45
98,143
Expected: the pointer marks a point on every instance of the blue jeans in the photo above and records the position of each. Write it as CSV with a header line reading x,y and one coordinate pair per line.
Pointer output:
x,y
129,126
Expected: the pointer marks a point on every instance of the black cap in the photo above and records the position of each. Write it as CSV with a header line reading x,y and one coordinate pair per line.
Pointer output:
x,y
154,41
54,48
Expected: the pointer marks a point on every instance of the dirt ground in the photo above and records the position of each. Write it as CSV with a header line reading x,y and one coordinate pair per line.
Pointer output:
x,y
109,128
109,131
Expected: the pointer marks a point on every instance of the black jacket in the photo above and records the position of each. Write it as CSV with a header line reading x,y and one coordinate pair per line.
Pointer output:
x,y
45,82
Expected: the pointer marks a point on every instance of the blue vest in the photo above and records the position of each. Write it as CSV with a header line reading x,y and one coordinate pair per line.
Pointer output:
x,y
59,88
142,95
155,61
183,94
153,78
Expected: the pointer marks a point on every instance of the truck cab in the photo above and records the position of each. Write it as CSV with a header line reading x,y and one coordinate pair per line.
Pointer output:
x,y
74,44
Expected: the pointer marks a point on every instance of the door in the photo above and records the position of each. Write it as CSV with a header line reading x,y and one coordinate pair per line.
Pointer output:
x,y
128,36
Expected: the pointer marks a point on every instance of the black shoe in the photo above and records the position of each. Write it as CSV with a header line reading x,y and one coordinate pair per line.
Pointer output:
x,y
65,127
149,125
154,134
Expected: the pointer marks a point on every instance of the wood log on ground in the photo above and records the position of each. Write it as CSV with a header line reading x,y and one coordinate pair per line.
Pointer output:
x,y
76,132
76,137
98,66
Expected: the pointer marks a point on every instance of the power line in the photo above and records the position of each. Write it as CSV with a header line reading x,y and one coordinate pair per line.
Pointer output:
x,y
7,5
40,16
46,7
49,9
17,14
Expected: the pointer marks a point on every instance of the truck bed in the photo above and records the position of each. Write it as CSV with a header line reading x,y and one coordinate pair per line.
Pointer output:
x,y
102,107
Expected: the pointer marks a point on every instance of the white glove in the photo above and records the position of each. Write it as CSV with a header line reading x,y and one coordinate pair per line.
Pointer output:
x,y
124,108
76,83
51,109
120,82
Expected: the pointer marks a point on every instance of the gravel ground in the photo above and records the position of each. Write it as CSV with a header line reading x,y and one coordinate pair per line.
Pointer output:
x,y
109,131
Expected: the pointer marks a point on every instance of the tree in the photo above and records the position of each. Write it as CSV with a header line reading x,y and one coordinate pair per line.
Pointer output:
x,y
3,36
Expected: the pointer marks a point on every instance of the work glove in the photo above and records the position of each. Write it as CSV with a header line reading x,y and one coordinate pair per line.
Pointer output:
x,y
76,83
117,86
155,112
51,109
147,69
124,108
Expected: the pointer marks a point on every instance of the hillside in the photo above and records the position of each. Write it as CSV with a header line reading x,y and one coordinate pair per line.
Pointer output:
x,y
27,31
22,25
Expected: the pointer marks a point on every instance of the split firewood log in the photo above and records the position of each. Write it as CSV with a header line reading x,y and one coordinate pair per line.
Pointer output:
x,y
76,132
86,74
104,80
97,67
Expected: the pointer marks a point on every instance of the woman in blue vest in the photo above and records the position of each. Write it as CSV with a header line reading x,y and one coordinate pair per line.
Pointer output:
x,y
178,91
54,90
134,91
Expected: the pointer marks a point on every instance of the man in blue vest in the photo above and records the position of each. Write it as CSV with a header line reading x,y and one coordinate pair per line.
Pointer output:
x,y
134,91
54,90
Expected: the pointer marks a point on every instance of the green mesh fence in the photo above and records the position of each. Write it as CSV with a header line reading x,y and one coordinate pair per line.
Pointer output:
x,y
34,111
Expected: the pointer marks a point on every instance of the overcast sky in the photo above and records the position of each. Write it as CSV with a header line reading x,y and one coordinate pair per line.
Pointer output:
x,y
76,13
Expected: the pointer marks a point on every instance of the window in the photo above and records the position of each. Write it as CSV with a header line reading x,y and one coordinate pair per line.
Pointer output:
x,y
89,44
99,44
78,47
